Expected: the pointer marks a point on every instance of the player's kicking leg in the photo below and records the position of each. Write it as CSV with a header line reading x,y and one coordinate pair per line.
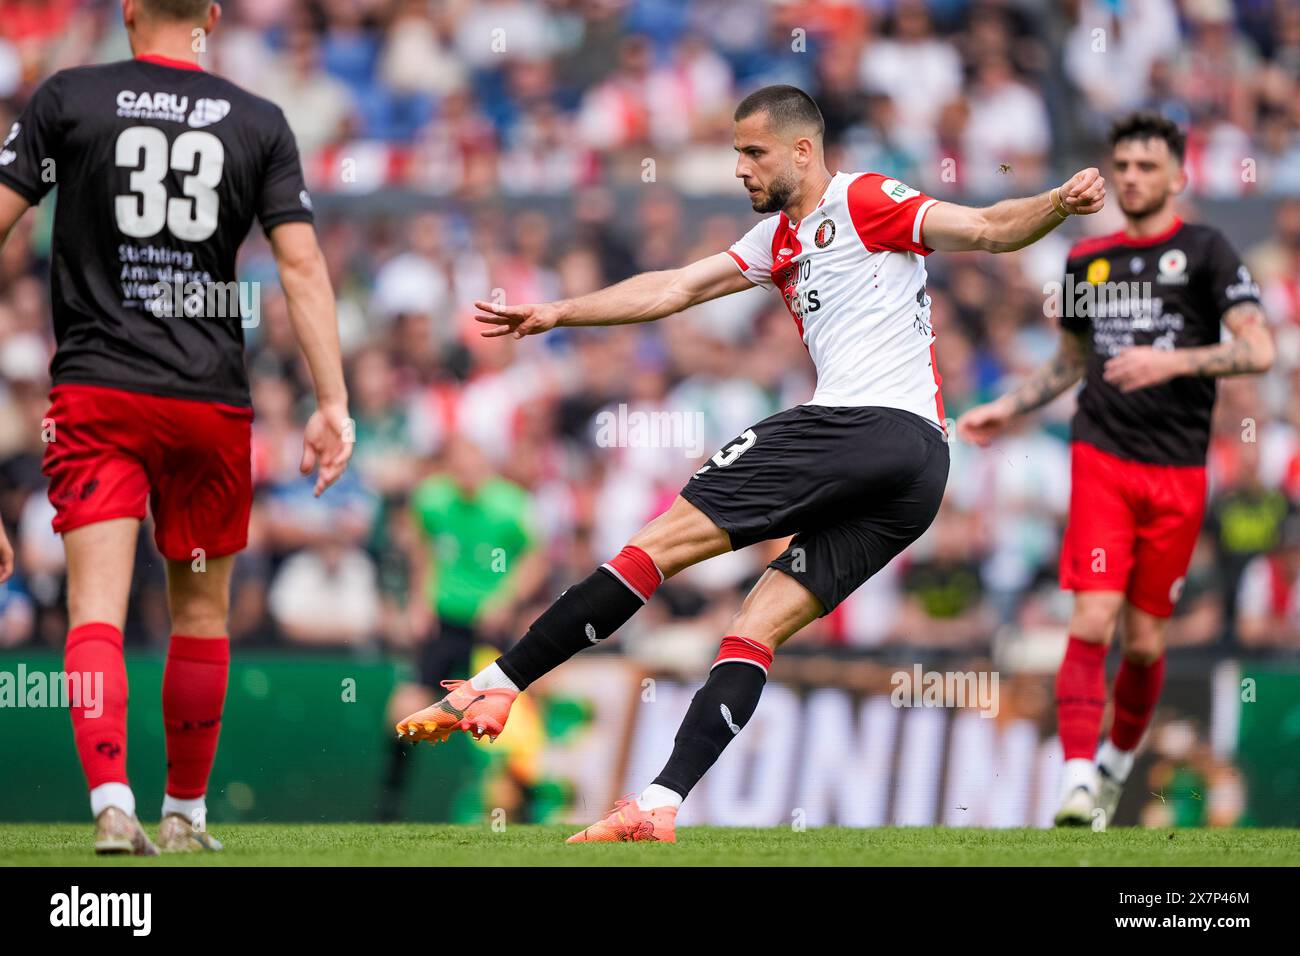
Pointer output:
x,y
1137,688
581,617
777,607
1081,699
856,486
100,562
194,693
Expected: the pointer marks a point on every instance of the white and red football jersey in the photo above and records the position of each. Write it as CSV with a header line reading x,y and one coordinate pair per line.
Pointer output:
x,y
853,277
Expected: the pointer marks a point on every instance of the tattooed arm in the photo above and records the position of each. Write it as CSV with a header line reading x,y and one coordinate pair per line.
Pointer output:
x,y
1065,369
1049,381
1250,351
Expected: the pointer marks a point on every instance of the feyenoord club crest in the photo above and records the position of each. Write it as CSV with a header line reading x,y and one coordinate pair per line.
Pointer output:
x,y
825,234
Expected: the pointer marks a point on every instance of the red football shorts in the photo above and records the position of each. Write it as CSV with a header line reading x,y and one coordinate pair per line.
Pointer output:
x,y
109,451
1132,527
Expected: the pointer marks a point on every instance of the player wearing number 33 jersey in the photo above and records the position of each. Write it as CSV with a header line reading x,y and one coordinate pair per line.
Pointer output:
x,y
161,169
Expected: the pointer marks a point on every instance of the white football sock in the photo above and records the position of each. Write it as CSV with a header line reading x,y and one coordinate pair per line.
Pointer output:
x,y
1078,772
655,796
194,810
492,677
1118,763
112,795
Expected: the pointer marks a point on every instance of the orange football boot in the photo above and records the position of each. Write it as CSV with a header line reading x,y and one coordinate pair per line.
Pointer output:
x,y
477,712
628,823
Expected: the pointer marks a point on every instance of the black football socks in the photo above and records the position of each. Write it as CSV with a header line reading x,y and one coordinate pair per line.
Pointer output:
x,y
583,616
717,713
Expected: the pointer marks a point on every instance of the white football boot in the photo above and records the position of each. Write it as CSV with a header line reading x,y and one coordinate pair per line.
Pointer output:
x,y
1079,780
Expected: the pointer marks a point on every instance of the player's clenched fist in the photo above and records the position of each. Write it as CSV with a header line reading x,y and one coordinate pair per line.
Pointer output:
x,y
520,320
1083,193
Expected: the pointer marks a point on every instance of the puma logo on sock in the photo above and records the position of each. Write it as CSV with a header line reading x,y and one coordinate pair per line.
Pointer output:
x,y
726,715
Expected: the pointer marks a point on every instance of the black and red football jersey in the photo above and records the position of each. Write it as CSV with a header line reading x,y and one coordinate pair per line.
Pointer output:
x,y
161,169
1175,289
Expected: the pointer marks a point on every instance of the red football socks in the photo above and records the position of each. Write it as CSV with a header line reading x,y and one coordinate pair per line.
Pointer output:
x,y
1081,697
194,692
1137,688
94,652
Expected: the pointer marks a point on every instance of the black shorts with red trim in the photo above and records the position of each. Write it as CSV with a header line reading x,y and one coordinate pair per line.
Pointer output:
x,y
854,485
1132,527
109,452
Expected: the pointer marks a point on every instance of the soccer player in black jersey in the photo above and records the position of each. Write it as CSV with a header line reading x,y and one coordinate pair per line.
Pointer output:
x,y
1141,311
161,169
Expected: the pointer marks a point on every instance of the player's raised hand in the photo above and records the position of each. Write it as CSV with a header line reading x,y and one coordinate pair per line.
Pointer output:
x,y
519,320
1084,193
327,444
983,422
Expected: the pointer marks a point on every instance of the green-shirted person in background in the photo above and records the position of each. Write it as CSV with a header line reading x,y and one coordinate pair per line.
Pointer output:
x,y
474,560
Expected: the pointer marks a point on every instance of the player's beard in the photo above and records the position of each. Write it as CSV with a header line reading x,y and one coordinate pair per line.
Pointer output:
x,y
776,196
1145,209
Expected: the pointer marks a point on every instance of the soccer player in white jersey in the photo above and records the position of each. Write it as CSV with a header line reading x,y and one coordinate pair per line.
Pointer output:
x,y
856,474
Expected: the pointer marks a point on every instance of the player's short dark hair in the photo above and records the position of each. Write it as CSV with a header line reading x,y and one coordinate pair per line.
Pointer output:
x,y
1148,124
785,106
184,10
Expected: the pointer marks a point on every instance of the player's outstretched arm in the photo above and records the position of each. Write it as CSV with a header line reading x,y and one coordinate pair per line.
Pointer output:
x,y
1249,352
1066,368
327,439
642,298
1013,223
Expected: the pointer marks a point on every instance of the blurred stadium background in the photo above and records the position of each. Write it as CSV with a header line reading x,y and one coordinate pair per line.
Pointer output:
x,y
541,148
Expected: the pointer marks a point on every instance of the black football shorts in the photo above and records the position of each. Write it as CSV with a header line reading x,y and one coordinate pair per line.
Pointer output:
x,y
855,486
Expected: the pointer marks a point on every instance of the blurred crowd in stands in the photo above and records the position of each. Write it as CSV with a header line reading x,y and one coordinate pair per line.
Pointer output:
x,y
544,149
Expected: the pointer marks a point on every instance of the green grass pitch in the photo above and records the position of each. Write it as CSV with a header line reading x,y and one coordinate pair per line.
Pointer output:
x,y
362,844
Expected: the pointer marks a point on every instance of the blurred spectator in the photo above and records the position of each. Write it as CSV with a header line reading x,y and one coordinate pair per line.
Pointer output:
x,y
1244,518
319,107
326,595
1268,605
945,604
1110,52
917,70
1007,125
